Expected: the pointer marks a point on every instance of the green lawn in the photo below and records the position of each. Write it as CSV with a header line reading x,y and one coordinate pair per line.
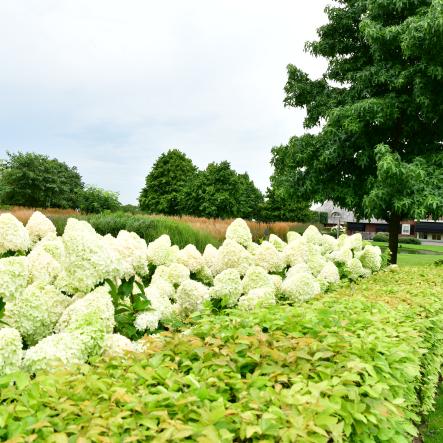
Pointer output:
x,y
436,248
418,260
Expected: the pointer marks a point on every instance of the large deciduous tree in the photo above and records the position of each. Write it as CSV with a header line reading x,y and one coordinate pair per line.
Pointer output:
x,y
35,180
165,182
379,108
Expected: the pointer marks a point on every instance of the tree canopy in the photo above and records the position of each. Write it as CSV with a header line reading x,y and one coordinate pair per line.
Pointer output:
x,y
95,200
378,106
165,182
35,180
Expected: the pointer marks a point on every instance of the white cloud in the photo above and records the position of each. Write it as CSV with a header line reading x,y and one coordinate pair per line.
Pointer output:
x,y
109,85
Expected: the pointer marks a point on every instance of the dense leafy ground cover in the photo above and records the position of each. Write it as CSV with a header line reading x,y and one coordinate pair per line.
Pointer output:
x,y
432,431
359,364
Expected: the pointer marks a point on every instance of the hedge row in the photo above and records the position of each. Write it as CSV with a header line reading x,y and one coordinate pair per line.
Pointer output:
x,y
148,228
359,365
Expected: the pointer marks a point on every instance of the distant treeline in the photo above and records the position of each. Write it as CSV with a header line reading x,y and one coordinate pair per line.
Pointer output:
x,y
174,186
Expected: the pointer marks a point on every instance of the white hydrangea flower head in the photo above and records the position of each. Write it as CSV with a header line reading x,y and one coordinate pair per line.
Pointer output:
x,y
314,259
256,277
92,316
133,252
14,277
366,273
87,260
252,248
342,255
53,245
295,252
11,350
278,281
210,257
13,235
35,313
313,235
233,255
353,242
64,350
293,236
299,268
370,258
147,321
175,273
354,269
43,268
239,232
267,256
227,286
278,243
190,296
160,251
165,287
328,244
160,301
39,226
191,257
328,275
300,287
116,345
257,297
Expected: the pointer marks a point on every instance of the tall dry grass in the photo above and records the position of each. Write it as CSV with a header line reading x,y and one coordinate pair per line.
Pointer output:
x,y
214,226
217,227
23,214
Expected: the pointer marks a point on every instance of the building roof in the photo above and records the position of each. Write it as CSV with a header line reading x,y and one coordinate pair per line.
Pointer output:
x,y
345,215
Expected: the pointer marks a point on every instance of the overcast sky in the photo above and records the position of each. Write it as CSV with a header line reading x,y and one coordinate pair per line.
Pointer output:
x,y
108,85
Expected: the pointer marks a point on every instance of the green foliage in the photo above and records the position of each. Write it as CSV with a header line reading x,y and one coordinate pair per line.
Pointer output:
x,y
219,192
96,200
359,365
127,304
148,228
384,237
164,184
35,180
279,206
379,151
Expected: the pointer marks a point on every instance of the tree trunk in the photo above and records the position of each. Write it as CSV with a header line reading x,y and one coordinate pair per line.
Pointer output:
x,y
394,231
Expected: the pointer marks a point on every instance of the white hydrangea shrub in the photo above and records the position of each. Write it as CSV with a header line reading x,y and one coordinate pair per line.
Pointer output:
x,y
301,287
14,277
190,296
191,257
233,255
160,301
39,226
11,350
295,252
267,256
36,311
210,257
13,235
87,258
257,297
256,277
239,232
43,268
312,235
92,316
62,350
278,243
292,236
328,275
354,269
160,251
175,273
116,345
371,258
227,286
147,321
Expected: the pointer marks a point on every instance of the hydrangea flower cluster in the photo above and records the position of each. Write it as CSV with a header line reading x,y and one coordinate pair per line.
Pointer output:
x,y
57,289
